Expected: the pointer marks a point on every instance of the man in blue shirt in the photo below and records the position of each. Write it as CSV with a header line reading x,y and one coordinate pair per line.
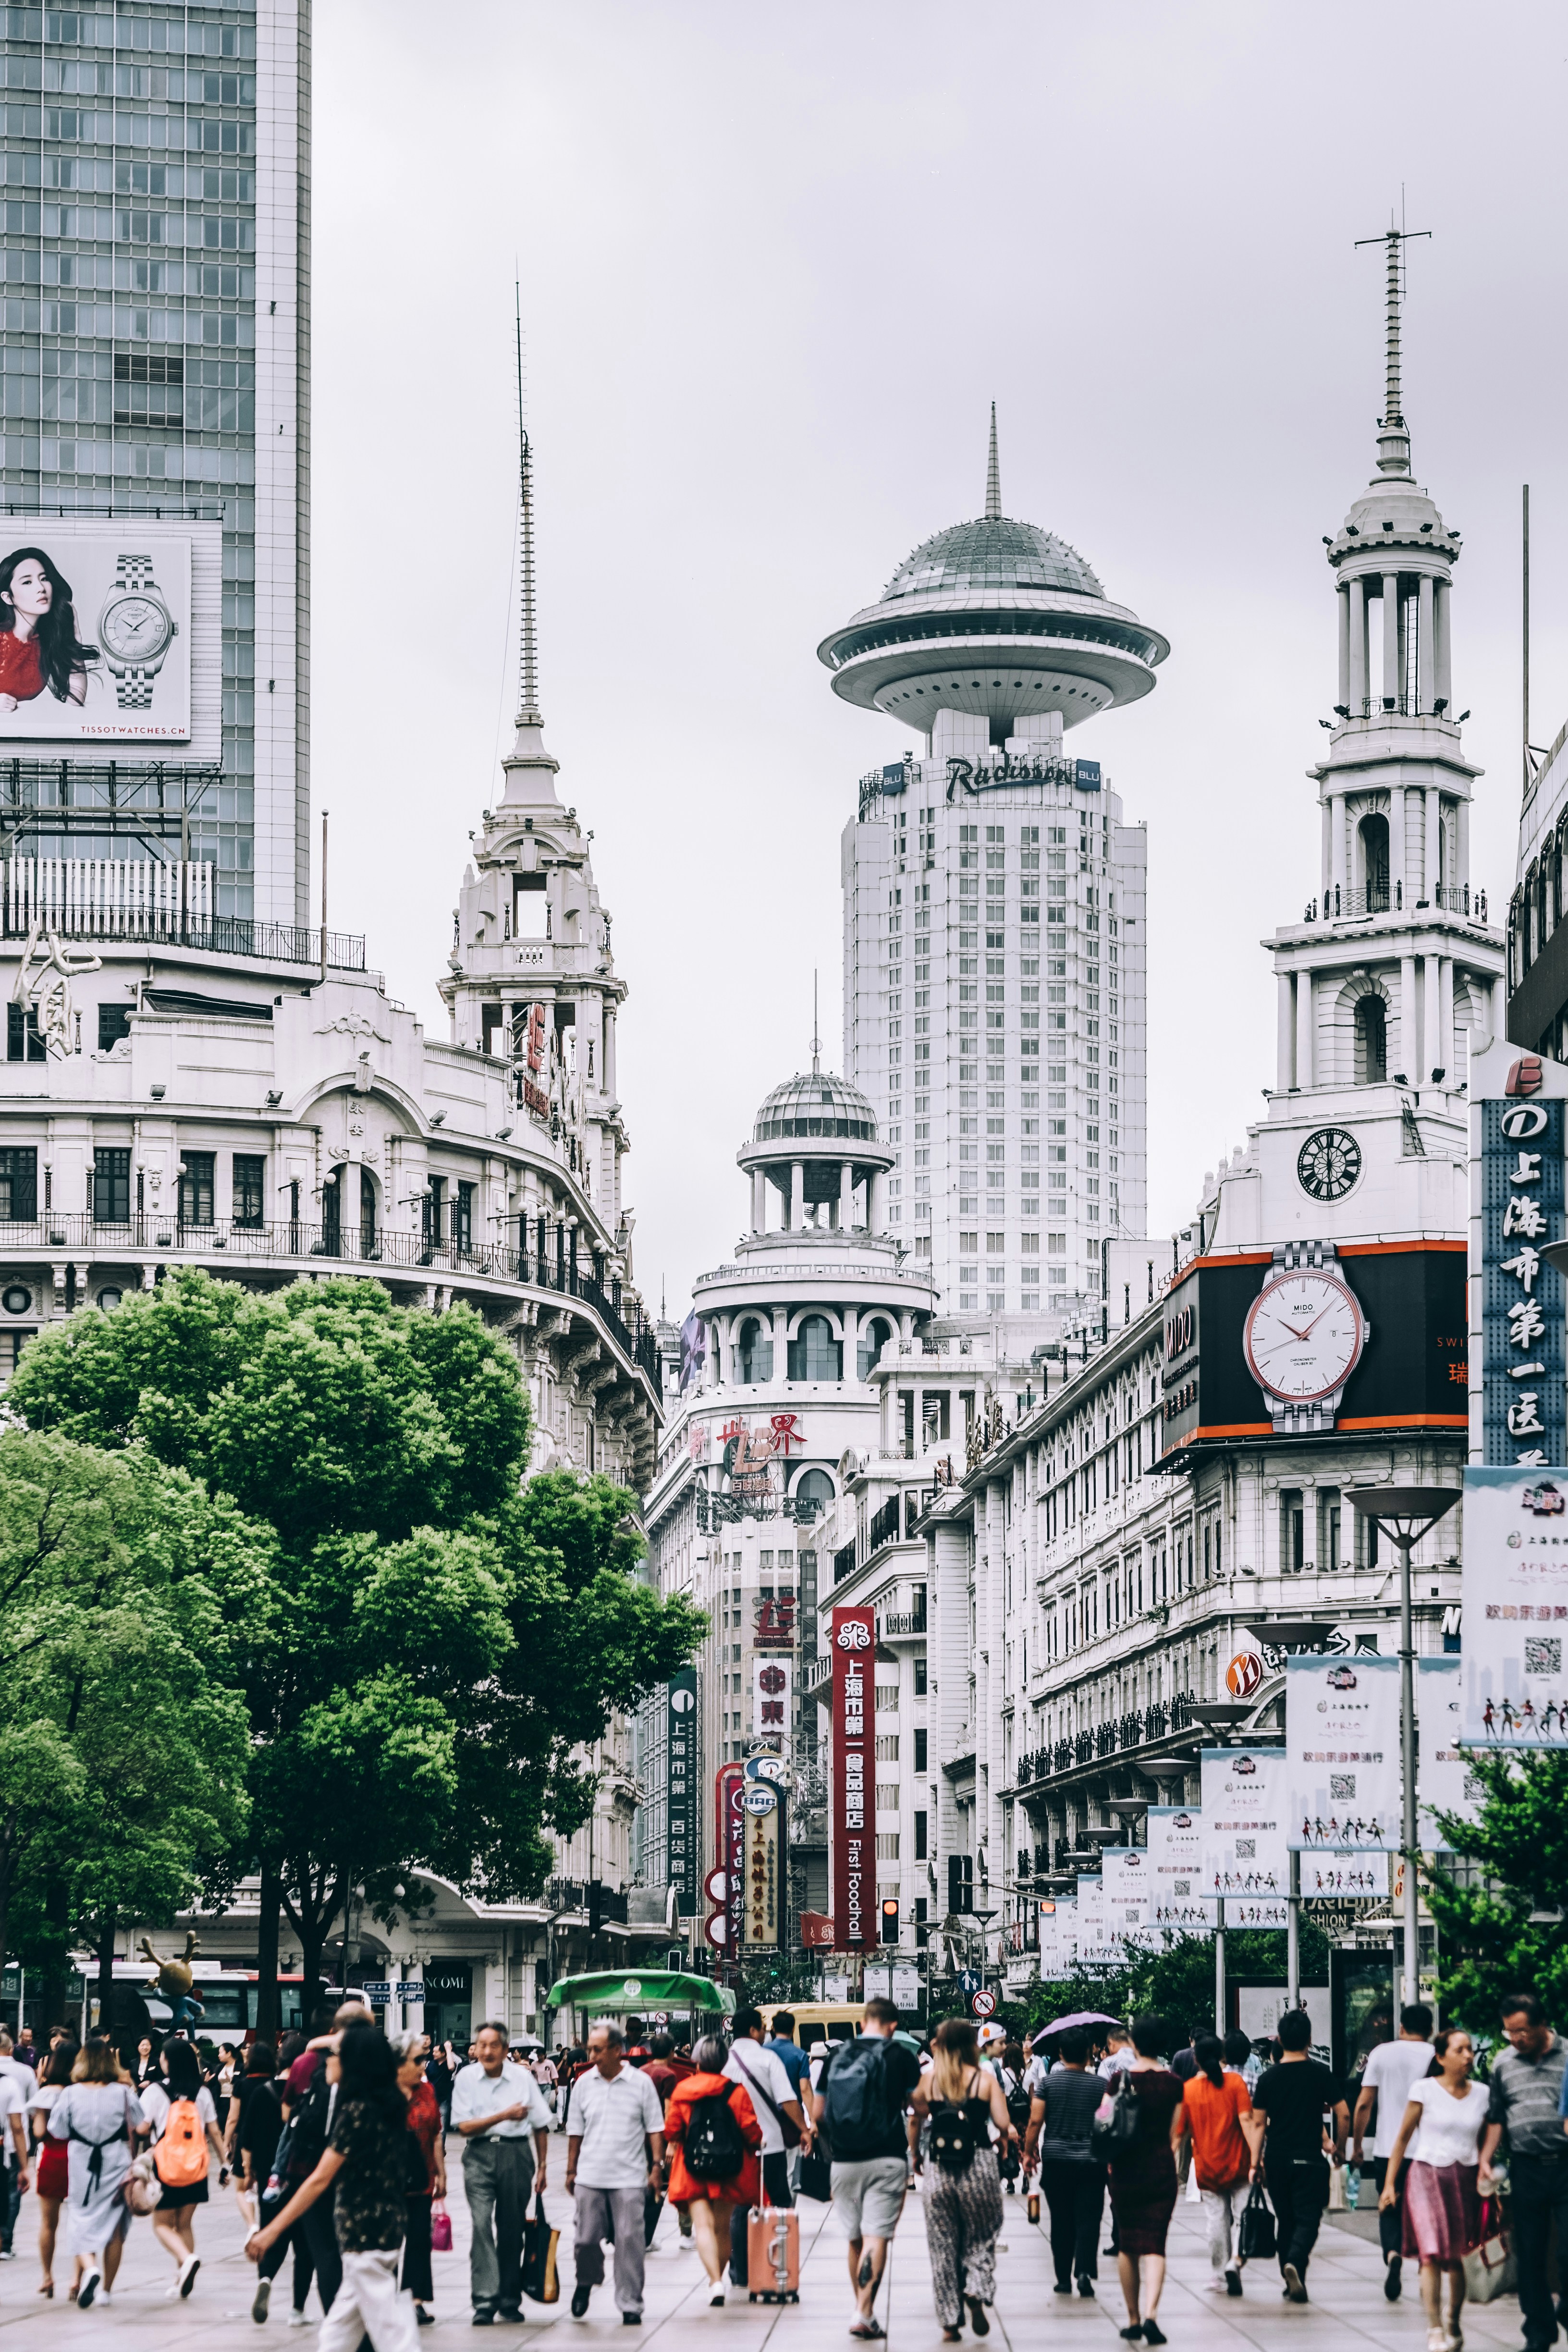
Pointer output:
x,y
797,2067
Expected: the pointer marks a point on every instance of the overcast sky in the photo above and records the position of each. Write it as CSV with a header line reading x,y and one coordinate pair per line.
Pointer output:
x,y
775,264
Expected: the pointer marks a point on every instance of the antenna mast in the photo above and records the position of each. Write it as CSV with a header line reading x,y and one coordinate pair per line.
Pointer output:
x,y
1529,762
527,643
993,476
1392,432
816,1039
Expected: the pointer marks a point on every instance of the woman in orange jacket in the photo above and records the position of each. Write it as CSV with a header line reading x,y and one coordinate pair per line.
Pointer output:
x,y
711,2202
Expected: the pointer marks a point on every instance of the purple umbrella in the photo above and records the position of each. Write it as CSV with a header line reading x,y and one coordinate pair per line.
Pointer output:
x,y
1078,2017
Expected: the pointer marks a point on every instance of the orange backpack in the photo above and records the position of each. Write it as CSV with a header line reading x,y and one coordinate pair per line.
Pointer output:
x,y
180,2159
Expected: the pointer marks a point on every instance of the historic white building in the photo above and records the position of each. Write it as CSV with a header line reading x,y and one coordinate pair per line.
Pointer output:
x,y
1180,1487
995,924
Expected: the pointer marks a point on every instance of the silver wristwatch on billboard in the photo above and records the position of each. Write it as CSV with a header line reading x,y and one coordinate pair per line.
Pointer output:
x,y
1304,1337
136,631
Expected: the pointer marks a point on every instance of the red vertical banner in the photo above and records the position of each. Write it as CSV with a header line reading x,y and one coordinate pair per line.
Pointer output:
x,y
729,1788
854,1779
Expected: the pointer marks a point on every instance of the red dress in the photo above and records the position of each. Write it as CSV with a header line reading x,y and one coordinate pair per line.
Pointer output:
x,y
745,2187
21,665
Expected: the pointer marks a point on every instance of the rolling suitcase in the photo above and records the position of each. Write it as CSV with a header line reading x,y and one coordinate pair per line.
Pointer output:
x,y
772,2254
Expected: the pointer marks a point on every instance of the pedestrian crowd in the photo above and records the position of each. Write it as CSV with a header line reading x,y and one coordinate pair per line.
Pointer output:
x,y
337,2146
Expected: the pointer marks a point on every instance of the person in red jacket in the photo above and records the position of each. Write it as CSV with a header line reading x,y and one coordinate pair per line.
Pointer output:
x,y
712,2203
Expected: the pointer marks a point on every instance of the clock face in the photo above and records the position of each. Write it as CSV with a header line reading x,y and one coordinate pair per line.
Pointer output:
x,y
135,628
1328,1163
1304,1337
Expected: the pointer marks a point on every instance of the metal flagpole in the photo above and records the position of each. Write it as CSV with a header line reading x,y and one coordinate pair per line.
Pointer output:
x,y
1293,1935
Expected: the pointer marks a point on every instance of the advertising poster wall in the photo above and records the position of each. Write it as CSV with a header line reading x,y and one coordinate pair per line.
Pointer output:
x,y
1245,1811
1176,1864
1446,1779
95,632
854,1837
682,1811
1515,1588
1342,1735
1351,1875
1059,1939
1096,1946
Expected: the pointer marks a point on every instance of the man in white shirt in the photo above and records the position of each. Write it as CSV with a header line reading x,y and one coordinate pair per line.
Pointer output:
x,y
615,2147
18,2080
773,2096
1390,2069
495,2105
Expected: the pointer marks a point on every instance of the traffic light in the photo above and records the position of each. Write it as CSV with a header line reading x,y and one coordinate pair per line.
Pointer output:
x,y
890,1919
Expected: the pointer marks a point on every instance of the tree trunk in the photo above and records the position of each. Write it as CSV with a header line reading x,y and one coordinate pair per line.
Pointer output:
x,y
268,2016
57,1965
106,1972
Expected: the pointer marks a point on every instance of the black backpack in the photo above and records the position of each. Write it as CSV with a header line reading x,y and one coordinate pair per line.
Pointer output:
x,y
954,2139
857,2111
715,2149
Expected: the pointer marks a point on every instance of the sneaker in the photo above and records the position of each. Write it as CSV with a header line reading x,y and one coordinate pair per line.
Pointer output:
x,y
580,2301
1392,2283
1294,2289
89,2286
631,2319
484,2319
1436,2341
298,2319
187,2274
260,2299
1233,2281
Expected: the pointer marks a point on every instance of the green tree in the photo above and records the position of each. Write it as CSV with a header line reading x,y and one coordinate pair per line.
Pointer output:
x,y
123,1746
1177,1982
1510,1862
434,1644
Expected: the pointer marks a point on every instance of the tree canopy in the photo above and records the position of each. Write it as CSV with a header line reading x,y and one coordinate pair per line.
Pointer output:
x,y
432,1640
1497,1903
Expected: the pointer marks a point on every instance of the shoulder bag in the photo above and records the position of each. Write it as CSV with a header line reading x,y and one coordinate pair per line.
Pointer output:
x,y
787,2124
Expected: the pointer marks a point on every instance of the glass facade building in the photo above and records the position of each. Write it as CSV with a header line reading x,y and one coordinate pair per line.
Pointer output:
x,y
155,361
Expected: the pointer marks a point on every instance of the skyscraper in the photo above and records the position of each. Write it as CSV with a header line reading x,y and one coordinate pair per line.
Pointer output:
x,y
156,372
1004,1054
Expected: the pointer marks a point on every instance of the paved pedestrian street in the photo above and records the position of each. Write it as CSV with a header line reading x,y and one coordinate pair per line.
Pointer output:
x,y
1347,2307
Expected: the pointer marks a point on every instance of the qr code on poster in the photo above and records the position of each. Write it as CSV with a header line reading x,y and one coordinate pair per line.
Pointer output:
x,y
1341,1784
1542,1654
1182,1886
1246,1849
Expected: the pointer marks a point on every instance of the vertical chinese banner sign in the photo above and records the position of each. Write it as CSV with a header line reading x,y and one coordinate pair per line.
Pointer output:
x,y
772,1676
1523,1410
761,1872
682,1813
729,1825
853,1827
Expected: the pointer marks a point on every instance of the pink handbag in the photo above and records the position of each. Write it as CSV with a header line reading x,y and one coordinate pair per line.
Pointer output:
x,y
440,2230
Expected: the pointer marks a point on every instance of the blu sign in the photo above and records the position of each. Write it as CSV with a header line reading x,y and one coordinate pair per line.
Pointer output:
x,y
1523,1409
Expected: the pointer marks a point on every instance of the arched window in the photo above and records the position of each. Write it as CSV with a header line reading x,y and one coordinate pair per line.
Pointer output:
x,y
1370,1040
753,1352
814,1488
1373,832
332,1216
814,1353
367,1241
873,1338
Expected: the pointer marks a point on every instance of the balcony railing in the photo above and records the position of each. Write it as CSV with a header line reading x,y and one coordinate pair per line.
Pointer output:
x,y
903,1624
1342,906
76,1234
1135,1729
884,1526
146,902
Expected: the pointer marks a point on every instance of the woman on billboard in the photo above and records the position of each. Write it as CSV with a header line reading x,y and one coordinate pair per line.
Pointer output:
x,y
39,644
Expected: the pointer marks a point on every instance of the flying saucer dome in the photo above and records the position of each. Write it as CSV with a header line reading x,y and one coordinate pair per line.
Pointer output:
x,y
816,1105
996,619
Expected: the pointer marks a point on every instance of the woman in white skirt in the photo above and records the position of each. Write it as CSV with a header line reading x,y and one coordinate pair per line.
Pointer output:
x,y
96,2114
1441,2134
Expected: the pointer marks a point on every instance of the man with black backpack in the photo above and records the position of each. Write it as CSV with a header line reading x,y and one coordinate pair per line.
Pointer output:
x,y
860,2102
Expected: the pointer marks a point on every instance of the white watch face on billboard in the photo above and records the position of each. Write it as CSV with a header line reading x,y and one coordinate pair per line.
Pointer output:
x,y
1304,1337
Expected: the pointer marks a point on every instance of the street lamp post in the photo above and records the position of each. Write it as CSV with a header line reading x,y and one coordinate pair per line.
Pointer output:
x,y
1407,1513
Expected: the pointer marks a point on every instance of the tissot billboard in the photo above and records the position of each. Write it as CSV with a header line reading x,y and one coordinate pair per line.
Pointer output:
x,y
1408,1365
108,634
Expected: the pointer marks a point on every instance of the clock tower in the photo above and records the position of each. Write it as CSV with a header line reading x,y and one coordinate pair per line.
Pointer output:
x,y
1392,971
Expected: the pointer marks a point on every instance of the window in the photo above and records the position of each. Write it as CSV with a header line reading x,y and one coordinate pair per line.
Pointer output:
x,y
463,1218
113,1023
367,1241
888,1753
435,1207
1373,836
920,1750
18,1185
815,1354
112,1186
1370,1040
887,1794
250,1207
1329,1525
332,1214
872,1338
753,1352
196,1188
23,1039
919,1693
1292,1531
814,1487
961,1881
920,1833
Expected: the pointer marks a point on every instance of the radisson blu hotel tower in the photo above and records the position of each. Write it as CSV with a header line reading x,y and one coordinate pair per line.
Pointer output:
x,y
995,943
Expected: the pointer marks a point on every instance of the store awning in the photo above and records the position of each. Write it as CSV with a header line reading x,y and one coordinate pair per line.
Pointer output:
x,y
640,1990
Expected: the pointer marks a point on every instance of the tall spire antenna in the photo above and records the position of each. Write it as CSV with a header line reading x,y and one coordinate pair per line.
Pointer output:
x,y
816,1039
1392,432
527,641
993,476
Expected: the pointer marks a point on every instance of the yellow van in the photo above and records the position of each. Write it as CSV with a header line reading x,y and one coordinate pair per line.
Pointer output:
x,y
818,2020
